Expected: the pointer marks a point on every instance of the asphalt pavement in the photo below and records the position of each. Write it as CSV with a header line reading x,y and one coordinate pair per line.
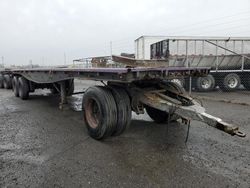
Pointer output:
x,y
41,146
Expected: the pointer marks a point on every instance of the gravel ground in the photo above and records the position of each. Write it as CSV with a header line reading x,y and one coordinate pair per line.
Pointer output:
x,y
41,146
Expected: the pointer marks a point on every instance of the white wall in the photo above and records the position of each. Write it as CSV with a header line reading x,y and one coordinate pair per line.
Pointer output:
x,y
142,46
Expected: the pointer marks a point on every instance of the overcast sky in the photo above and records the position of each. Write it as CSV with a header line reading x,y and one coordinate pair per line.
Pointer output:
x,y
43,30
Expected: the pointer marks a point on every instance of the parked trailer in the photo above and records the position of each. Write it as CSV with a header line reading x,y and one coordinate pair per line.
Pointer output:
x,y
229,59
107,109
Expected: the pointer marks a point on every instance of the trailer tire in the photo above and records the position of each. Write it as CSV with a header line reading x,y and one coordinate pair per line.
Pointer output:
x,y
179,81
23,88
157,115
15,86
1,81
99,112
246,83
204,84
124,112
7,82
230,82
160,116
174,87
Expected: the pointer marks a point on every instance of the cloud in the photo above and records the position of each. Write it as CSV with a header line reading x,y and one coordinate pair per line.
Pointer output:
x,y
45,29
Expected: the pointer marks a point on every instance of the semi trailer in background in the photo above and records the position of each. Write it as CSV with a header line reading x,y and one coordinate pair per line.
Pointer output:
x,y
229,59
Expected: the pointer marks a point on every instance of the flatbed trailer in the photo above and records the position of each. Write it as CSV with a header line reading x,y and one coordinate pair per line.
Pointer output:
x,y
107,109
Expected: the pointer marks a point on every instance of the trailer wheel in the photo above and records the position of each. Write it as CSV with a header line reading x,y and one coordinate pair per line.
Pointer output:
x,y
231,82
15,86
99,112
23,88
205,83
246,83
124,112
157,115
173,86
179,81
7,82
1,81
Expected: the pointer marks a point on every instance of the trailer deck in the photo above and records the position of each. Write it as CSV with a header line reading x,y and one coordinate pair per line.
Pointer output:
x,y
50,75
107,109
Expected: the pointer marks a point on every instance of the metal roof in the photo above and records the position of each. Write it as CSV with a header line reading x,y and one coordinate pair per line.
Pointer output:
x,y
226,38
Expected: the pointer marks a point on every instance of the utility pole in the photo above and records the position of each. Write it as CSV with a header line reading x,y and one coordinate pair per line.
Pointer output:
x,y
43,61
64,58
3,61
111,48
30,61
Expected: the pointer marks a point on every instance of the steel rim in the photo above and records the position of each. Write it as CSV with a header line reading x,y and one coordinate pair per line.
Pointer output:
x,y
206,83
93,113
232,82
178,81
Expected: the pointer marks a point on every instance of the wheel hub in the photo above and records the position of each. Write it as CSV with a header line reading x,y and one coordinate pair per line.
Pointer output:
x,y
206,83
178,81
92,113
232,82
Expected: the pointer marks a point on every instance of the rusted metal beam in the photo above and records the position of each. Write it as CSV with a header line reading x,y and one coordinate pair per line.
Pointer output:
x,y
191,110
140,62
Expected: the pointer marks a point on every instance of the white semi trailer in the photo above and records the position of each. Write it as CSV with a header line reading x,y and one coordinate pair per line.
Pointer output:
x,y
228,57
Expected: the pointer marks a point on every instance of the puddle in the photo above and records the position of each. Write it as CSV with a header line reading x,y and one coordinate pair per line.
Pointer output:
x,y
9,146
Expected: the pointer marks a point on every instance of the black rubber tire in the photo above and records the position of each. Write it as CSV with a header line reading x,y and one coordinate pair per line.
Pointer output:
x,y
174,87
160,116
15,86
179,81
157,115
124,112
99,100
23,88
246,83
7,82
1,81
224,85
200,83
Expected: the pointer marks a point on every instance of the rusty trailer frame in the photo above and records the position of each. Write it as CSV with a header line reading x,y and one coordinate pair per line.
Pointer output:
x,y
145,87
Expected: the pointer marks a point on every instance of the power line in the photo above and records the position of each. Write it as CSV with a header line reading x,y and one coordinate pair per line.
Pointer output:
x,y
209,20
212,25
